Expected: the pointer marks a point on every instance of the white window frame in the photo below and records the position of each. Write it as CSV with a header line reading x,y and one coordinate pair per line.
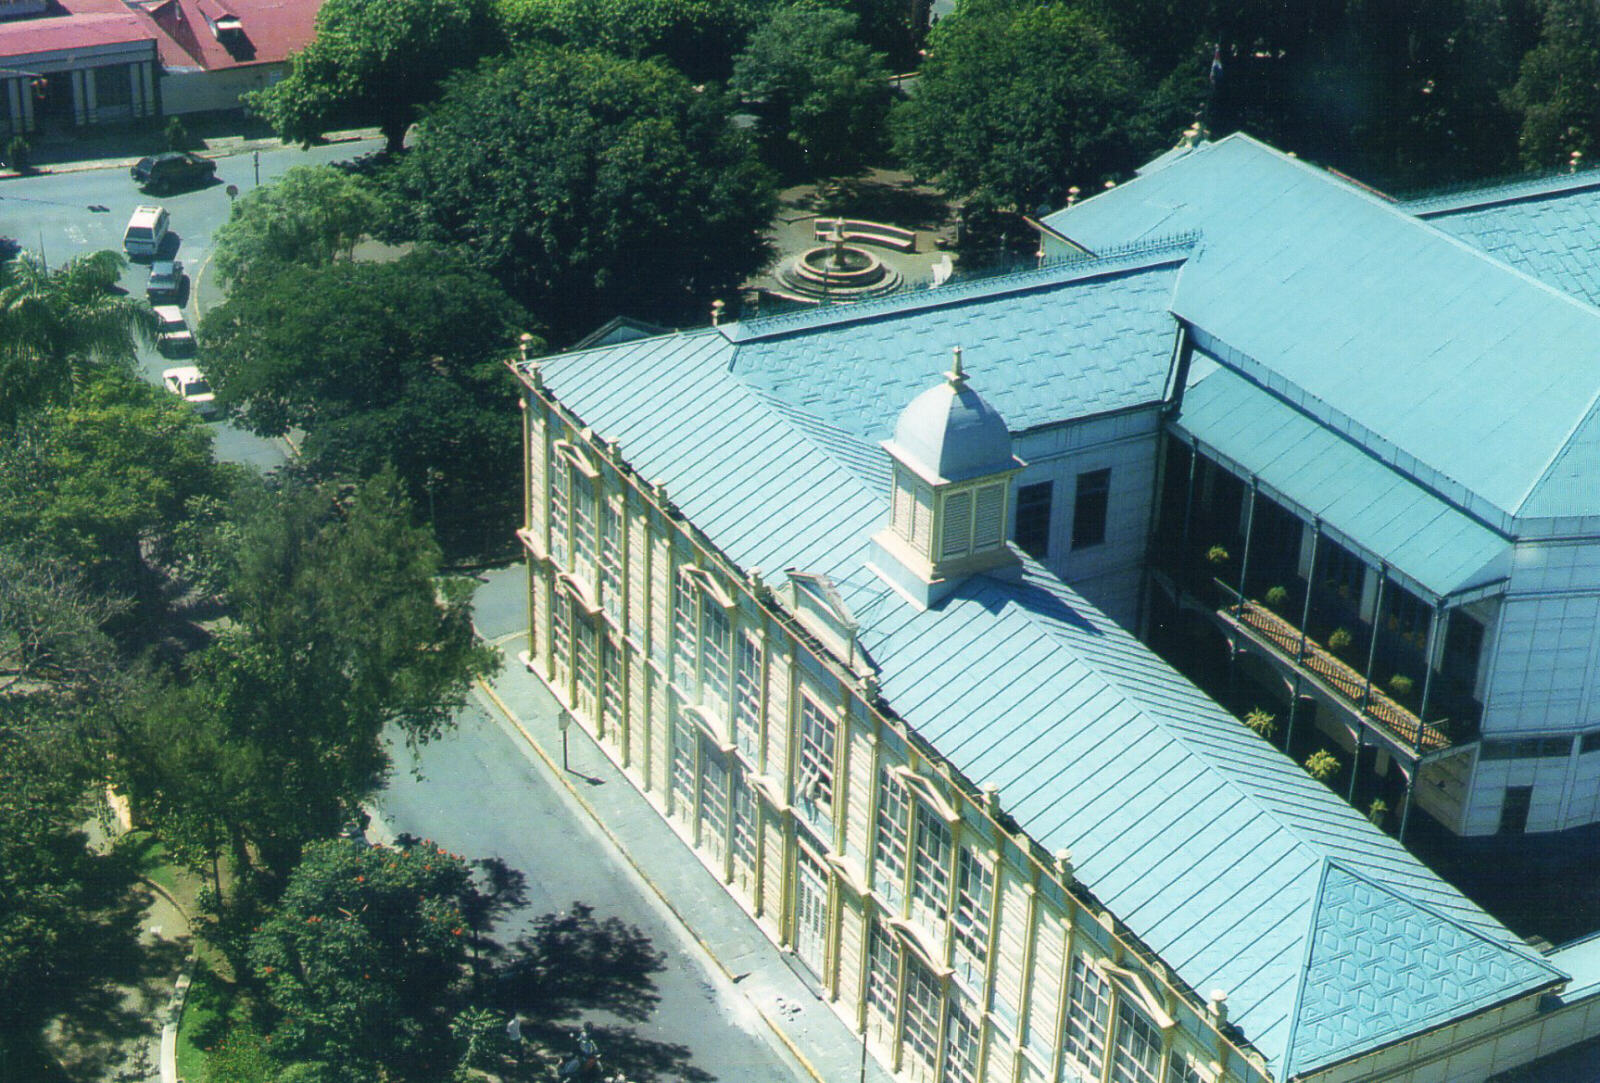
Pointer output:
x,y
816,761
971,915
747,685
1085,1032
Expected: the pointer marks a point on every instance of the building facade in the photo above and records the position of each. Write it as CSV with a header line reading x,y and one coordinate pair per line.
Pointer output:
x,y
957,944
1004,839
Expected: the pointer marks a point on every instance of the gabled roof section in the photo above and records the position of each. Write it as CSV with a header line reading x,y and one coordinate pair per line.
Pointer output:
x,y
1074,339
1463,373
1382,966
1204,840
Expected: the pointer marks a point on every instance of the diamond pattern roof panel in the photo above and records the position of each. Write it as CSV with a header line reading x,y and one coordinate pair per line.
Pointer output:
x,y
1545,227
1378,956
1066,341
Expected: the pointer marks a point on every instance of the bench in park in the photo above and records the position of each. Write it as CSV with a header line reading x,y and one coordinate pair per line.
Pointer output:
x,y
855,229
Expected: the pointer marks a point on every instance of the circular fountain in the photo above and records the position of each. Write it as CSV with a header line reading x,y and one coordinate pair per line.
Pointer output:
x,y
837,271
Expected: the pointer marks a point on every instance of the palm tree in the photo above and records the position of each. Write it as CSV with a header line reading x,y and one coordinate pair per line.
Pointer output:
x,y
56,326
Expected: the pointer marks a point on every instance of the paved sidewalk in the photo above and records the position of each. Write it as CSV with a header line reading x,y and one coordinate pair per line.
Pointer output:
x,y
82,155
791,1007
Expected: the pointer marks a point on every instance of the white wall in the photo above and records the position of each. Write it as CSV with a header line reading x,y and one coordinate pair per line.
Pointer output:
x,y
1126,444
197,91
1542,667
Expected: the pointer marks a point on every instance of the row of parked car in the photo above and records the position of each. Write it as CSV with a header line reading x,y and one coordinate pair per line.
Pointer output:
x,y
149,237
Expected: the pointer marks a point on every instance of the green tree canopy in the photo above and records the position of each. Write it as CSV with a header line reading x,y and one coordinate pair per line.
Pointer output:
x,y
109,479
698,37
822,96
313,215
59,676
590,186
57,325
374,62
1020,101
342,629
414,377
364,962
1557,91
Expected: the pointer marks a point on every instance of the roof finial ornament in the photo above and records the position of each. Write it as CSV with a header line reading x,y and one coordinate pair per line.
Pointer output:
x,y
957,375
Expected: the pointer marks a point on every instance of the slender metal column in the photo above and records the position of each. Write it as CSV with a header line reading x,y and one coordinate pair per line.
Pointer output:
x,y
1311,579
1188,500
1427,661
1405,809
1372,645
1294,709
1249,531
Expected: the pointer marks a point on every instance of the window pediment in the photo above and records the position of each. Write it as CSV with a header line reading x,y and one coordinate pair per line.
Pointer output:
x,y
577,457
925,789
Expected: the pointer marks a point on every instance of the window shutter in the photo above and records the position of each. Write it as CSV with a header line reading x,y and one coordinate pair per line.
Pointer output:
x,y
990,526
922,518
902,505
957,525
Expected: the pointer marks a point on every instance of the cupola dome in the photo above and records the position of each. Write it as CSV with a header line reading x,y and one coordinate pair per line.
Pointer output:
x,y
950,495
949,433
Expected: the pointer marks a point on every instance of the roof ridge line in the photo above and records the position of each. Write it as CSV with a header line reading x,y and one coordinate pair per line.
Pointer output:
x,y
1555,457
1158,717
1137,256
1304,973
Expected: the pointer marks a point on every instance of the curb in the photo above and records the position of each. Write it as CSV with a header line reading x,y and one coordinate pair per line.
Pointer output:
x,y
672,908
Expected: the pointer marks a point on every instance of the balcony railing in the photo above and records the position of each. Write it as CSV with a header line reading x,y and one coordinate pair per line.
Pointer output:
x,y
1334,673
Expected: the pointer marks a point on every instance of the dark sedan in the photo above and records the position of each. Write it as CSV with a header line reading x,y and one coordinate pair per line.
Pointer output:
x,y
173,170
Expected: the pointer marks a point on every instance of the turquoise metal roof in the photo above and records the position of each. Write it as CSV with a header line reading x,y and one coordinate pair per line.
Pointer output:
x,y
1405,953
1546,227
1323,475
1464,373
1207,843
1070,340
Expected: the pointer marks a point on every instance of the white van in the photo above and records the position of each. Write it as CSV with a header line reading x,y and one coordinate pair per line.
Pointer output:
x,y
173,337
146,230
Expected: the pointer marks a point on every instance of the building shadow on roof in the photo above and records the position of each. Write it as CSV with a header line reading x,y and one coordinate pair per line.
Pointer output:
x,y
995,594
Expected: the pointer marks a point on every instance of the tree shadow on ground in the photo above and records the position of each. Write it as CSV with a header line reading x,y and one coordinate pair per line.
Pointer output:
x,y
879,198
572,962
623,1051
112,1000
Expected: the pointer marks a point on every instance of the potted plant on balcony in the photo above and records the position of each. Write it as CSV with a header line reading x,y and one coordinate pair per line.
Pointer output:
x,y
1377,811
1264,723
1322,765
1400,688
1339,641
1277,598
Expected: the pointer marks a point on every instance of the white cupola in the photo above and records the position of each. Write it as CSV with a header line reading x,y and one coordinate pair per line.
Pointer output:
x,y
952,462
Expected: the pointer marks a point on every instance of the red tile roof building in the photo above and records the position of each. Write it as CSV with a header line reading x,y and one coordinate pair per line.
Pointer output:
x,y
87,62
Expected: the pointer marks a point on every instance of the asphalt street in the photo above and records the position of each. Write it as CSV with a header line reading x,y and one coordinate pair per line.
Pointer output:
x,y
62,215
481,792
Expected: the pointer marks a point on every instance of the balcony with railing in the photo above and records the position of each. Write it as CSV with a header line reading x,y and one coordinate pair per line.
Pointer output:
x,y
1320,614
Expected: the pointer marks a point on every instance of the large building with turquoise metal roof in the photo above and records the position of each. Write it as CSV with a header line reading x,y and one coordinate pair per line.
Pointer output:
x,y
866,634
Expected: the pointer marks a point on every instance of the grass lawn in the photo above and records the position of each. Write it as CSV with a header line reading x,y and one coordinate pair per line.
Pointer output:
x,y
150,858
205,1016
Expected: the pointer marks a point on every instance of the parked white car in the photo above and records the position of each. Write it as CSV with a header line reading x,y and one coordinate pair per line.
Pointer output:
x,y
173,337
189,384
